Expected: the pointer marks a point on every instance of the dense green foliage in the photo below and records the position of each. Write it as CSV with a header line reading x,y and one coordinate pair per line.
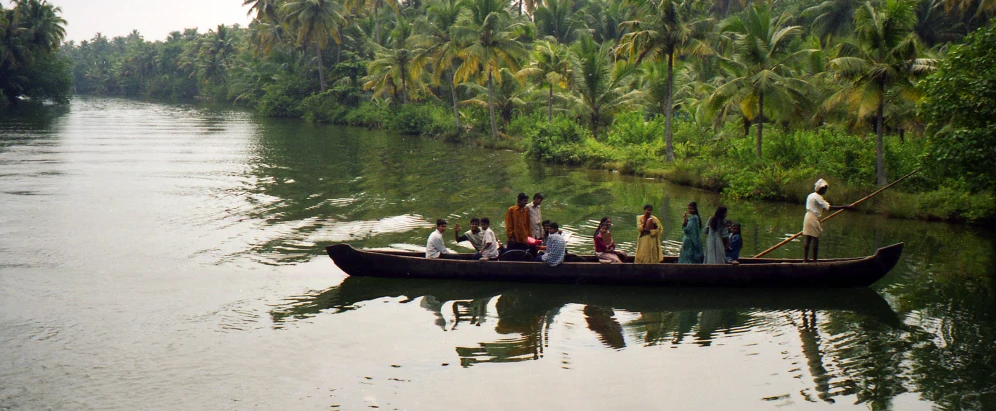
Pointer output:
x,y
662,87
959,106
30,68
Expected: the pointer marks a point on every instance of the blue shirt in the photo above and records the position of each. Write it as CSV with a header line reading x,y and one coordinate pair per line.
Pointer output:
x,y
555,247
736,243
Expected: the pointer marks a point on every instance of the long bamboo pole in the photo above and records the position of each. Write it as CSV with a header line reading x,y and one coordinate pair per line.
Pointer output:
x,y
786,241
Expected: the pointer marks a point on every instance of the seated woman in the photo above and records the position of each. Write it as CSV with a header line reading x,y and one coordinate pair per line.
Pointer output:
x,y
605,246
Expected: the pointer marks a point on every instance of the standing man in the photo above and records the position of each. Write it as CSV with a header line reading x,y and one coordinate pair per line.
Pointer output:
x,y
434,247
535,217
556,247
811,227
517,224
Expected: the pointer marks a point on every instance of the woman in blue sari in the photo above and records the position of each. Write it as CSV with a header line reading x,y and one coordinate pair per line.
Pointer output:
x,y
691,238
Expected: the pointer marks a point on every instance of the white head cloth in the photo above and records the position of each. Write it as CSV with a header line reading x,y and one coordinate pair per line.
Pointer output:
x,y
820,184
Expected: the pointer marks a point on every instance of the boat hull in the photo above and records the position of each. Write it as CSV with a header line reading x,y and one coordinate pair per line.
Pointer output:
x,y
849,272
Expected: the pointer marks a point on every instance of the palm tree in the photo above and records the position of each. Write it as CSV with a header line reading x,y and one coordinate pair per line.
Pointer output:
x,y
393,65
315,21
491,39
264,9
551,66
881,65
555,18
602,83
761,70
41,23
375,5
438,48
832,18
508,95
667,29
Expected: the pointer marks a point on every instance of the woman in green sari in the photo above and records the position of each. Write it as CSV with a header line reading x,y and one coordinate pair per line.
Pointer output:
x,y
691,239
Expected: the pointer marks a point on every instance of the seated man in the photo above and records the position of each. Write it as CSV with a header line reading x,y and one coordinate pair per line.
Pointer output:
x,y
434,247
556,246
489,250
474,235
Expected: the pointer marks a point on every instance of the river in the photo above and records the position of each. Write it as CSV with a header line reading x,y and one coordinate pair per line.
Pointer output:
x,y
170,256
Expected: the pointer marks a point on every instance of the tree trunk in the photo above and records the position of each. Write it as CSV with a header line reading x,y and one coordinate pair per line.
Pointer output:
x,y
669,109
549,116
404,86
321,70
376,22
456,113
879,146
491,106
760,123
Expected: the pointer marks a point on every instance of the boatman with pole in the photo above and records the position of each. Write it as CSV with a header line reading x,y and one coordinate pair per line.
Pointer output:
x,y
811,227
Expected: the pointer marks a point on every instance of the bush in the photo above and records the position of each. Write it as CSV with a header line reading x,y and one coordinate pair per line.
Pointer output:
x,y
283,97
559,142
367,114
632,128
424,119
324,108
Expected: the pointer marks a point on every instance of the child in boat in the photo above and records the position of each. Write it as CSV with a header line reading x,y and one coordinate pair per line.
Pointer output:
x,y
605,246
736,243
489,249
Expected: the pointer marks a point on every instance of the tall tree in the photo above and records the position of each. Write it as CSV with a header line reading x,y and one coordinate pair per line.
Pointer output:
x,y
881,66
315,22
439,50
393,65
550,67
556,18
491,38
761,68
602,83
665,29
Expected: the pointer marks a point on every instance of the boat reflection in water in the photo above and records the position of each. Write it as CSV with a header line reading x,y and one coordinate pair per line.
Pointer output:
x,y
654,316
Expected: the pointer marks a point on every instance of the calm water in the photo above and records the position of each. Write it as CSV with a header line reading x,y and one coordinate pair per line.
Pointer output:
x,y
157,256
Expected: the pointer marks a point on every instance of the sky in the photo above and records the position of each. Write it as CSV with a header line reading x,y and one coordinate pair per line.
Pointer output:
x,y
154,19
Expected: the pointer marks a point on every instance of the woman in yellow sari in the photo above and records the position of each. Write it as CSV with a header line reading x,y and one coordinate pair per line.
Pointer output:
x,y
648,246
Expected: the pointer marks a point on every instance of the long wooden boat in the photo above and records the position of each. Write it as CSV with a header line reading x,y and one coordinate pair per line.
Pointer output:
x,y
751,272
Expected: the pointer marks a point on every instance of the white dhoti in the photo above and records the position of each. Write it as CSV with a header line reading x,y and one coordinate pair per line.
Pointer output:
x,y
811,225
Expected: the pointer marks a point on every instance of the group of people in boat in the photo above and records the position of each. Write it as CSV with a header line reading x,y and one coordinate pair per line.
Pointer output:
x,y
543,241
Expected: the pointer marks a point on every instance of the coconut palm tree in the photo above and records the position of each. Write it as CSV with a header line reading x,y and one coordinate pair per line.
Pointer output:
x,y
550,67
666,29
438,48
555,18
601,83
42,26
491,39
881,66
315,21
761,71
392,67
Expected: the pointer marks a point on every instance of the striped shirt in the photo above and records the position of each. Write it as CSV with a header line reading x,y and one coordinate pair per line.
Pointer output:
x,y
555,248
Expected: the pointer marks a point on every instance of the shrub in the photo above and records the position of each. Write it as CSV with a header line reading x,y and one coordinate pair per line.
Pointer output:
x,y
424,119
283,97
367,114
559,142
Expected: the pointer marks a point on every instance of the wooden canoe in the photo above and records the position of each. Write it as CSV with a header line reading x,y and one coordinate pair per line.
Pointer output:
x,y
751,272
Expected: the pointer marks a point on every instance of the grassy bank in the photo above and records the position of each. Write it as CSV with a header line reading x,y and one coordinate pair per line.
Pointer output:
x,y
721,160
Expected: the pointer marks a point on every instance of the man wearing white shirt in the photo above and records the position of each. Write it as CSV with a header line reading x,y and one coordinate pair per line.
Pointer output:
x,y
811,227
536,217
489,249
435,246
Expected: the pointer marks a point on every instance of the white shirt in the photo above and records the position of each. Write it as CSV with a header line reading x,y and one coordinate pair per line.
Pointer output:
x,y
490,251
435,246
816,204
535,221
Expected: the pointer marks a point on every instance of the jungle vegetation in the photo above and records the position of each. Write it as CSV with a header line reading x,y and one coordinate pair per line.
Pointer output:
x,y
753,99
